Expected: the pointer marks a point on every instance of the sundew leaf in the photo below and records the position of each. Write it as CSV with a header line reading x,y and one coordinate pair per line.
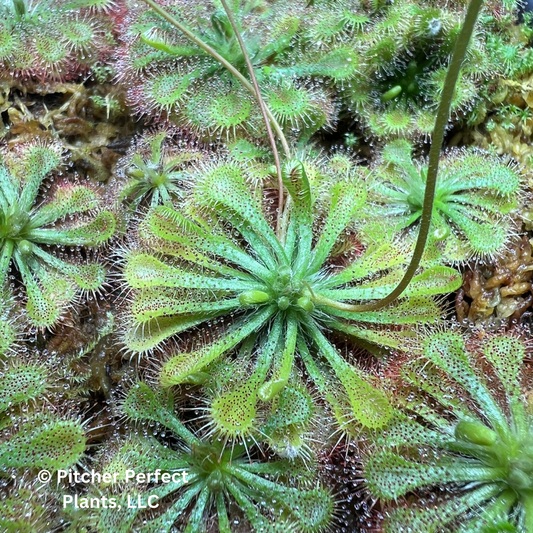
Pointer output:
x,y
257,520
45,301
399,153
144,336
166,521
6,253
22,383
297,184
346,200
484,237
87,277
284,30
234,412
377,258
293,408
8,326
492,203
170,225
432,381
143,404
66,201
149,38
447,351
281,374
493,519
90,233
224,186
390,476
178,368
53,444
403,431
8,189
258,249
433,281
142,453
506,354
156,302
144,271
369,405
417,310
429,520
192,255
473,172
222,512
340,64
313,509
37,163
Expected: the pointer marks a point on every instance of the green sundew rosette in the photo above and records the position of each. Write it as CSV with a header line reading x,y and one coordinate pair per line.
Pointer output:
x,y
474,445
218,478
476,192
277,291
72,216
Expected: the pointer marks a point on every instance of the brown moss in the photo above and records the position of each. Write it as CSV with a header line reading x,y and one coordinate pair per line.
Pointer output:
x,y
500,292
87,119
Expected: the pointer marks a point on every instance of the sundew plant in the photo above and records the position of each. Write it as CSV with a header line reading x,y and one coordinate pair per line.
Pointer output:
x,y
155,170
272,496
474,443
249,283
475,194
70,215
242,302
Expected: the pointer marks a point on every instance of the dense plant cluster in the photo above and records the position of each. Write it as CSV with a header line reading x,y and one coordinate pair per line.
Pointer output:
x,y
196,277
384,63
170,76
53,39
